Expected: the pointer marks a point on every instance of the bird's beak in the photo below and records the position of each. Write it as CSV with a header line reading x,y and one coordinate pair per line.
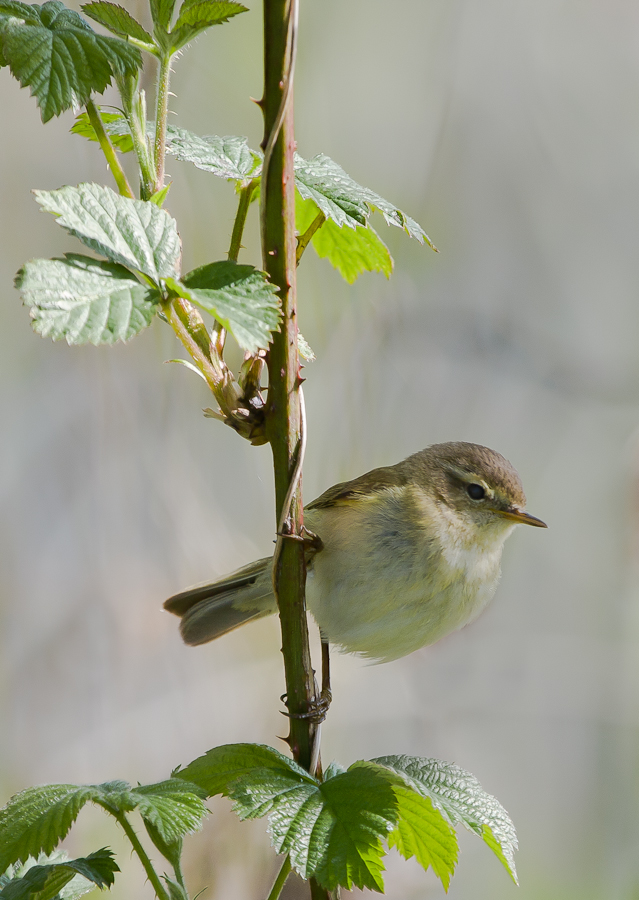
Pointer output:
x,y
520,515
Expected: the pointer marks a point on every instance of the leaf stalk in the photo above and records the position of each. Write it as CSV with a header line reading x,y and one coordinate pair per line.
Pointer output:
x,y
304,239
134,108
152,875
109,151
161,117
280,879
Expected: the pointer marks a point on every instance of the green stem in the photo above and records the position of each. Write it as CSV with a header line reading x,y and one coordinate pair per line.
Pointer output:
x,y
218,332
280,880
246,195
304,239
152,875
179,875
191,330
161,116
109,151
134,106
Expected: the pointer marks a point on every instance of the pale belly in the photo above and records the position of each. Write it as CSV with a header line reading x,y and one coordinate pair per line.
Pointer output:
x,y
382,590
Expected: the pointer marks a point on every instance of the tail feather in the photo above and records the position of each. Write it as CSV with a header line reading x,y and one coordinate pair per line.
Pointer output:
x,y
211,610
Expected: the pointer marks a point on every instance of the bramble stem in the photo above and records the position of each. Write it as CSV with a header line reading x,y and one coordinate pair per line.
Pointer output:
x,y
162,112
280,880
109,150
284,413
304,239
152,875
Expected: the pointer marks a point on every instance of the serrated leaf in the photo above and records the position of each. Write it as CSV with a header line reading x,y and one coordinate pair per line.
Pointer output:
x,y
117,20
45,882
73,890
343,200
161,13
85,300
461,799
37,819
240,297
424,833
115,125
173,807
219,768
52,50
196,16
227,157
352,252
135,233
304,348
332,830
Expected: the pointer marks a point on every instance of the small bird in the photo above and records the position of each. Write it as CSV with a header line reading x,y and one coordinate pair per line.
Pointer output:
x,y
404,555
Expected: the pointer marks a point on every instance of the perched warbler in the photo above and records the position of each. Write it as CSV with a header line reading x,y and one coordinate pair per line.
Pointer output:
x,y
407,554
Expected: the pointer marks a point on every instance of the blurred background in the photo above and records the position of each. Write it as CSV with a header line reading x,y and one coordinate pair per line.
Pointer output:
x,y
510,131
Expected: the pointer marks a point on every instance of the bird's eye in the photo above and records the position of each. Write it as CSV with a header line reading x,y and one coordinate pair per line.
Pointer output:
x,y
476,492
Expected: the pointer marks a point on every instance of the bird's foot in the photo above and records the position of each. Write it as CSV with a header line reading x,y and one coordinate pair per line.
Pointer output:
x,y
317,711
312,542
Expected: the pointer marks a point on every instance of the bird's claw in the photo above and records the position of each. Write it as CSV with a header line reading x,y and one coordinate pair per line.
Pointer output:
x,y
317,711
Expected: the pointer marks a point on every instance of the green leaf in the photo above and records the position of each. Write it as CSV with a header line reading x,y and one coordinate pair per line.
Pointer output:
x,y
461,799
52,50
115,125
333,830
304,348
176,891
227,157
135,233
73,890
196,16
85,300
240,297
219,769
352,252
160,196
343,200
173,808
424,833
117,20
45,882
38,818
161,13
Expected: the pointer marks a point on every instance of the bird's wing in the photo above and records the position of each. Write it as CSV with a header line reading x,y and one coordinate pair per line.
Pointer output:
x,y
359,488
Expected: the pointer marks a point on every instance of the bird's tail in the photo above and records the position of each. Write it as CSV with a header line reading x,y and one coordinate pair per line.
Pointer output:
x,y
211,610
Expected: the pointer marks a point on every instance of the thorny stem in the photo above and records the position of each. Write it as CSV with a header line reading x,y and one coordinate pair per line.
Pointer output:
x,y
162,112
109,151
304,239
152,875
280,879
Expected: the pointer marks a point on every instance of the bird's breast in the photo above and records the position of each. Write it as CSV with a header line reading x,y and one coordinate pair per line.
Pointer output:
x,y
388,582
